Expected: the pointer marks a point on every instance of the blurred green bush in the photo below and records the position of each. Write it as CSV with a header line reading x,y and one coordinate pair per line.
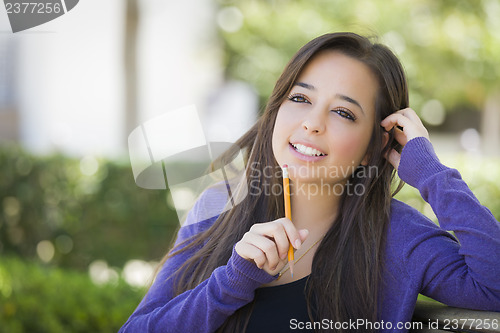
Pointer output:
x,y
34,298
104,215
482,175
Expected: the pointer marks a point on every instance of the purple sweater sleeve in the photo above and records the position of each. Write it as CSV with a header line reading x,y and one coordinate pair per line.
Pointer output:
x,y
204,308
465,273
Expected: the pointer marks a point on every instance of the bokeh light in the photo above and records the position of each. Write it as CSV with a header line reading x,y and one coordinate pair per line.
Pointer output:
x,y
138,273
45,250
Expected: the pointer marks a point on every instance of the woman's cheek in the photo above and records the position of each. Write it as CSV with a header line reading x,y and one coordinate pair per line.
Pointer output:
x,y
352,148
280,136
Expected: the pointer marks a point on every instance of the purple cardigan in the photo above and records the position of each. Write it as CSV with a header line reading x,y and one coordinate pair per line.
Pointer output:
x,y
420,257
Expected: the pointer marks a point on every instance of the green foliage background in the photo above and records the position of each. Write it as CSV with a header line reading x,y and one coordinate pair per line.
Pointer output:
x,y
449,48
42,299
105,216
100,217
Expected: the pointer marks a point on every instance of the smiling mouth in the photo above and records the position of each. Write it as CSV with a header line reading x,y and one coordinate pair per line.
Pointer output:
x,y
307,150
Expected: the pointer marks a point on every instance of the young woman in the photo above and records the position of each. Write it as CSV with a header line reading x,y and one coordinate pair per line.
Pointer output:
x,y
339,117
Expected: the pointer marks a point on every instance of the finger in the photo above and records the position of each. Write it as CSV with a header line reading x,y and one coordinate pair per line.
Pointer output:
x,y
266,245
411,128
303,234
277,269
394,158
270,249
276,231
395,119
400,136
280,237
411,114
291,232
250,252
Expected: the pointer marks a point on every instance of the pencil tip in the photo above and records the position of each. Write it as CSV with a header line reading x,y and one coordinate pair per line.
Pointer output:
x,y
291,268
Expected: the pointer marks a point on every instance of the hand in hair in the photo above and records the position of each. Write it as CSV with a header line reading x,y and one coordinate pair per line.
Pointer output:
x,y
407,125
267,244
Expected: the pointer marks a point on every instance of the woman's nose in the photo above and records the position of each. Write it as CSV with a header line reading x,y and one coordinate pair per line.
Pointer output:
x,y
314,122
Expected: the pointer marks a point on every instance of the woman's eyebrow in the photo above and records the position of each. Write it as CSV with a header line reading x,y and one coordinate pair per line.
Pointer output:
x,y
350,100
305,85
341,96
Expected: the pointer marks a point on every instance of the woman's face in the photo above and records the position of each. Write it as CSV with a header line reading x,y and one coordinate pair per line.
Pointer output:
x,y
323,128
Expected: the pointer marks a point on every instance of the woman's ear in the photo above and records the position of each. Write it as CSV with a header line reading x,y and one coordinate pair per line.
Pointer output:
x,y
364,162
385,140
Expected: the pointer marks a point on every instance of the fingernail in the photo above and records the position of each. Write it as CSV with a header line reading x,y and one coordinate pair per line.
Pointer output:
x,y
297,244
283,256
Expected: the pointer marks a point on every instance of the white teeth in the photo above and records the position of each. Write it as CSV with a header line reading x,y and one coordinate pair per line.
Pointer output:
x,y
307,150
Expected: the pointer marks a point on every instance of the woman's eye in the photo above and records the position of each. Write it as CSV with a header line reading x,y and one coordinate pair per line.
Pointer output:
x,y
298,98
345,114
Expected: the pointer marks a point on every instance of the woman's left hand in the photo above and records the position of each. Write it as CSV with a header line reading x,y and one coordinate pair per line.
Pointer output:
x,y
412,127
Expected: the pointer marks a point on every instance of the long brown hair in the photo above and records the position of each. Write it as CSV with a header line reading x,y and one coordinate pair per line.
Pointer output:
x,y
348,262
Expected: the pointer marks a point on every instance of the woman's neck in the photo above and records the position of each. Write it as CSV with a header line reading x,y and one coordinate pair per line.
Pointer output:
x,y
312,208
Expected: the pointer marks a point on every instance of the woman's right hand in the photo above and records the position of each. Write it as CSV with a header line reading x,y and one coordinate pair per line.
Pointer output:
x,y
266,244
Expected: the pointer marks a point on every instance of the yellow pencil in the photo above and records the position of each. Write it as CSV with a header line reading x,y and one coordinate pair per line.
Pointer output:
x,y
288,212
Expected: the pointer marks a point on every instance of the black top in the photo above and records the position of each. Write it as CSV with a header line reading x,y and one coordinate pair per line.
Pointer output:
x,y
280,308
